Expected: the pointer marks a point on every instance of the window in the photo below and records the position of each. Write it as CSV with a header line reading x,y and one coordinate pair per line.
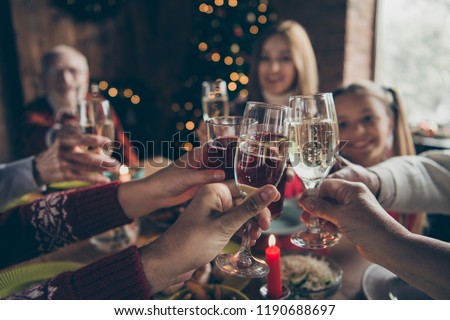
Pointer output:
x,y
413,55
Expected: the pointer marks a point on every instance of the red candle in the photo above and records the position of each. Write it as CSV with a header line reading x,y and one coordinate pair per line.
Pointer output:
x,y
274,286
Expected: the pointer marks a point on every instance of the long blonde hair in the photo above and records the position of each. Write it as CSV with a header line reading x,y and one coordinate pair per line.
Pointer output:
x,y
403,144
302,53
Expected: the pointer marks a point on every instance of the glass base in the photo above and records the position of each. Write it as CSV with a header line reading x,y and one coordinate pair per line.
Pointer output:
x,y
243,267
315,240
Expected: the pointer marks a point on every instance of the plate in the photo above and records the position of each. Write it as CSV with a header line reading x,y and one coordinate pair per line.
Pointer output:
x,y
379,283
17,279
289,221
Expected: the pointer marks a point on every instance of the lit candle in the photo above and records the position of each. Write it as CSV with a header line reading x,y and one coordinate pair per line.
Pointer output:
x,y
274,286
124,174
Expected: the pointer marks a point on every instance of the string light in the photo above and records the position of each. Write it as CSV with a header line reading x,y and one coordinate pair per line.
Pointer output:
x,y
262,19
127,93
239,61
188,146
190,125
215,57
251,17
203,7
243,79
112,92
135,99
209,10
234,76
218,2
262,7
202,46
232,3
232,86
175,107
235,48
188,106
228,60
243,93
254,29
180,126
103,85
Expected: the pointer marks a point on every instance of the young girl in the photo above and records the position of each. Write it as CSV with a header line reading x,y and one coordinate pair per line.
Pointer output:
x,y
373,122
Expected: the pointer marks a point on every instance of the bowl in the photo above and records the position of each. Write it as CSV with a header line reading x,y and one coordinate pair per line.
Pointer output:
x,y
212,291
310,276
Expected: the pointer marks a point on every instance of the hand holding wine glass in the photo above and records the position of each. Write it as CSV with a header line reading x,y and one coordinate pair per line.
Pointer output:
x,y
260,159
313,135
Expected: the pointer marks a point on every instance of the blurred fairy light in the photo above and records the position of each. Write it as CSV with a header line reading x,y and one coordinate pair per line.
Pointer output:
x,y
262,19
232,86
202,46
127,93
251,17
190,125
135,99
228,60
254,29
218,2
235,48
188,106
188,146
209,10
103,85
262,7
203,7
180,126
112,92
239,61
175,107
234,76
243,93
198,112
215,57
243,79
232,3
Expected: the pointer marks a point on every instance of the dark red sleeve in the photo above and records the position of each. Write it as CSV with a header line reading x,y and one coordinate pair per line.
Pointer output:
x,y
119,276
56,220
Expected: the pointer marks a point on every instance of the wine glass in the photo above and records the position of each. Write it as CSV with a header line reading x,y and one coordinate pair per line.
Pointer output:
x,y
260,159
314,138
222,135
215,99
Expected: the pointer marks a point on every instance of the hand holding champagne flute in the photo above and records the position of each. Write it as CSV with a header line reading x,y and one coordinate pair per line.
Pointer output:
x,y
314,138
260,159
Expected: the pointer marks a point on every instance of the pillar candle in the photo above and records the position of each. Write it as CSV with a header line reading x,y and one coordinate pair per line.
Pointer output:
x,y
274,286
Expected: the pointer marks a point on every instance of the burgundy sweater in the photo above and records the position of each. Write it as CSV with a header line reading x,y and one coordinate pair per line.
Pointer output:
x,y
62,218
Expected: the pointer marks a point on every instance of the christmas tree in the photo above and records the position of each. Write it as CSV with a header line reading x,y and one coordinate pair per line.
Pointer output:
x,y
221,48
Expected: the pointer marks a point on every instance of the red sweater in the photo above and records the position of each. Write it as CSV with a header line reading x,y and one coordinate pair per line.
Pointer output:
x,y
62,218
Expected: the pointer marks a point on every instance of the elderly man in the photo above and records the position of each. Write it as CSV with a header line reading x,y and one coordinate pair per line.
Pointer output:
x,y
65,77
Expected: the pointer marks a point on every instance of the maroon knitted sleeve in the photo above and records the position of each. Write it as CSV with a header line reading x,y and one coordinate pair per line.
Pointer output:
x,y
56,220
118,277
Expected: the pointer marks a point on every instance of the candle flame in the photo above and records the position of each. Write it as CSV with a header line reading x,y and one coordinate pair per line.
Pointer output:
x,y
123,170
272,240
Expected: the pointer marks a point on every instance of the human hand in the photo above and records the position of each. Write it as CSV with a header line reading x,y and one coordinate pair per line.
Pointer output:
x,y
202,231
355,212
65,160
354,172
171,186
200,132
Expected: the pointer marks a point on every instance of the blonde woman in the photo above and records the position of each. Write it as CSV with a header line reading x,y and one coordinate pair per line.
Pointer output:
x,y
373,121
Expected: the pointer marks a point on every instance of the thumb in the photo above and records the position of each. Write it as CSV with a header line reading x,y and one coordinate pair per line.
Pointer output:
x,y
250,207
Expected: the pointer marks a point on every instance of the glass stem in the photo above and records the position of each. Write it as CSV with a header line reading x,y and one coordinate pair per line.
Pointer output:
x,y
244,254
314,223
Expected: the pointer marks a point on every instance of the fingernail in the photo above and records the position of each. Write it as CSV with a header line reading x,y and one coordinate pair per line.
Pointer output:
x,y
268,194
309,203
219,175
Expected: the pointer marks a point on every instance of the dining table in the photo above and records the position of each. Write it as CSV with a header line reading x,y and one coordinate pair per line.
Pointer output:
x,y
84,252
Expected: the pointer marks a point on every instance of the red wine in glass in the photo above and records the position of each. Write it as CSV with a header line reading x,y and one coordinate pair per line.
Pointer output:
x,y
221,152
276,208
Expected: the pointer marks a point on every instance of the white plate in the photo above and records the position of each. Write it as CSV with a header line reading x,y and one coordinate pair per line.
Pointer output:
x,y
379,283
289,221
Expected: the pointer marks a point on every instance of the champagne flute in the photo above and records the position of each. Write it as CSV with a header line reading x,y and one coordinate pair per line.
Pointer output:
x,y
215,99
313,135
260,159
